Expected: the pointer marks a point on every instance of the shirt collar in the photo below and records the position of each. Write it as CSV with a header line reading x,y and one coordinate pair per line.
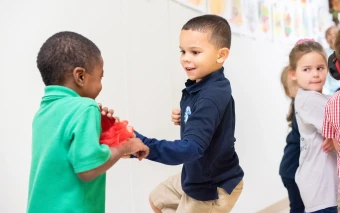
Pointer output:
x,y
59,91
192,86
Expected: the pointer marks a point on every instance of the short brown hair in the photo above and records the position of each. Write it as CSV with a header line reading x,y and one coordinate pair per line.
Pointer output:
x,y
220,33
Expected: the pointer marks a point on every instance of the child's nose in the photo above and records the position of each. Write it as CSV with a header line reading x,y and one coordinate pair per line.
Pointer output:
x,y
186,58
316,73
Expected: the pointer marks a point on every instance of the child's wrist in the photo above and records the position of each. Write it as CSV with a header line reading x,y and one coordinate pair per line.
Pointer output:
x,y
119,150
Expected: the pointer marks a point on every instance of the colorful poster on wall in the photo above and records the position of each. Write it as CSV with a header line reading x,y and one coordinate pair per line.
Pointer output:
x,y
235,16
217,7
322,19
265,18
314,19
298,25
251,18
236,13
277,19
200,5
306,19
288,22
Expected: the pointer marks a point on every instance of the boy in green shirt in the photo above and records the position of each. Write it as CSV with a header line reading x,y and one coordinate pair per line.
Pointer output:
x,y
68,163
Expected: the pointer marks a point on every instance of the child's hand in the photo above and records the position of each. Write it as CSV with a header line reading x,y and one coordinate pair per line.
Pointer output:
x,y
135,147
176,116
107,112
336,144
327,145
126,156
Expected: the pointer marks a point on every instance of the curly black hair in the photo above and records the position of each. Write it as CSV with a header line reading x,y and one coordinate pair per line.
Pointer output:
x,y
63,52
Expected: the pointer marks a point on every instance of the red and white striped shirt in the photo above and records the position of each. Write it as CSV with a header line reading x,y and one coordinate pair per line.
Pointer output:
x,y
331,122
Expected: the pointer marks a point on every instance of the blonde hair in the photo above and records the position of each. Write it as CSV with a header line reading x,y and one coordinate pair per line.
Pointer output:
x,y
284,82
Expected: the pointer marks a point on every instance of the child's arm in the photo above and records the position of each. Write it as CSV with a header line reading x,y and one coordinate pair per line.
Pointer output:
x,y
328,130
199,129
131,146
88,158
172,152
313,110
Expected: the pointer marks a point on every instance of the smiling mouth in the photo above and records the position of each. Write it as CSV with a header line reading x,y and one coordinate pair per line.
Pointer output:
x,y
189,69
315,82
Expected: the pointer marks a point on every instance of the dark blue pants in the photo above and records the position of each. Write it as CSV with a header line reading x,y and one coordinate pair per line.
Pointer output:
x,y
333,209
296,204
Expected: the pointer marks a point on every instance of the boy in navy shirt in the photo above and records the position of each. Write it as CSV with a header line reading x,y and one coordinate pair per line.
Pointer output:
x,y
211,178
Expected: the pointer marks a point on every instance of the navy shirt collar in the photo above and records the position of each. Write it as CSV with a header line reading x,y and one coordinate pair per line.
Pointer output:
x,y
192,86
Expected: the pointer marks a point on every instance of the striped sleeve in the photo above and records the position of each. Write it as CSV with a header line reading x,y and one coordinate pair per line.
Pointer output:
x,y
328,131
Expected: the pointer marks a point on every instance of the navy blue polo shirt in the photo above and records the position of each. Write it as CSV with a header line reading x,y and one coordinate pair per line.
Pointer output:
x,y
290,159
207,139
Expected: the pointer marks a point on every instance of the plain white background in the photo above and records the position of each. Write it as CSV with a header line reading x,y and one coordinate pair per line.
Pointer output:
x,y
142,82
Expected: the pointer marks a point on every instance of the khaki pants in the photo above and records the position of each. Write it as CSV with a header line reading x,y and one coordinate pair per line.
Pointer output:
x,y
170,198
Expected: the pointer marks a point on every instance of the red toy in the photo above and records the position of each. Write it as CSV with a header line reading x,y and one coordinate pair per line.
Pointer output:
x,y
114,133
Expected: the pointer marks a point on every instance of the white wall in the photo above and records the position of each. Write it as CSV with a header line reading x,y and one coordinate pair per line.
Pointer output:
x,y
143,82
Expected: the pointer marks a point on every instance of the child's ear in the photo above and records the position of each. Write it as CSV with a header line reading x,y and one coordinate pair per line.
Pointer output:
x,y
292,75
223,54
79,76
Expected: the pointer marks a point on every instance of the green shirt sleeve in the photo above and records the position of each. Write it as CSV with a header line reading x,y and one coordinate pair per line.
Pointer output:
x,y
85,151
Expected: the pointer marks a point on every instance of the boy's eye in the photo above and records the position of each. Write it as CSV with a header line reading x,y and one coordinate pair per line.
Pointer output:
x,y
320,68
195,52
182,51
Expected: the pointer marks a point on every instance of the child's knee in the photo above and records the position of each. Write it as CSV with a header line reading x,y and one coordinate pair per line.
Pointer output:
x,y
154,208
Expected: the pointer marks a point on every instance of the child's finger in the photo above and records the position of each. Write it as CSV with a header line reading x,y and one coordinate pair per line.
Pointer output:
x,y
105,111
137,155
175,120
324,145
110,113
142,155
327,147
176,117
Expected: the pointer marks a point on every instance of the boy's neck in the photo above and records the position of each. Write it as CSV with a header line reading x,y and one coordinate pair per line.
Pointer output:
x,y
73,87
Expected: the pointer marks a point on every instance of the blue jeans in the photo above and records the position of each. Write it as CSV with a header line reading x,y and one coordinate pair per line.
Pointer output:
x,y
296,204
333,209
